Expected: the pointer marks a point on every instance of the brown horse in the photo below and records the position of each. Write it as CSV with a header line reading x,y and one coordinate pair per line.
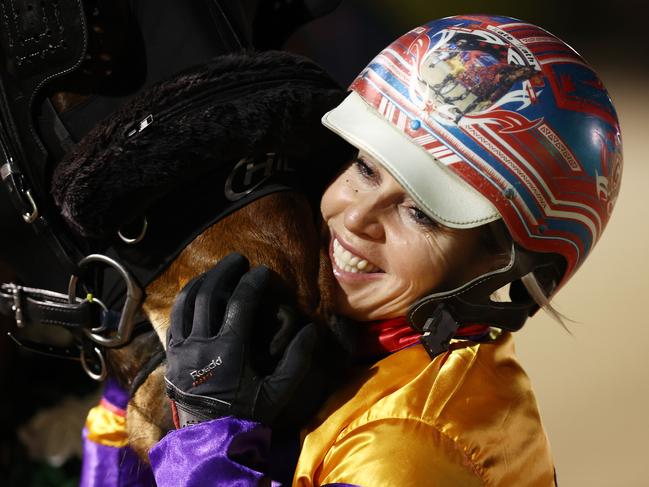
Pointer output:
x,y
113,177
286,241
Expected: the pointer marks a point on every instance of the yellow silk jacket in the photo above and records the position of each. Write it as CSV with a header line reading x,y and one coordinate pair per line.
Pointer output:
x,y
468,417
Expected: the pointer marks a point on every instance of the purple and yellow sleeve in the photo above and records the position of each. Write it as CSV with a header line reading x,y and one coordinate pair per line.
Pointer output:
x,y
225,451
107,459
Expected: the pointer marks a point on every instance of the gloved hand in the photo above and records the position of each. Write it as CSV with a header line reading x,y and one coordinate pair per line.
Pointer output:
x,y
211,370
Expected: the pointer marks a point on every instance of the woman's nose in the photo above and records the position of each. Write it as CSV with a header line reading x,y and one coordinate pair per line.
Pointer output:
x,y
363,218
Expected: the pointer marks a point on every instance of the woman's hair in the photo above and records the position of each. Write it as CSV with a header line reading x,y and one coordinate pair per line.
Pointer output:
x,y
535,290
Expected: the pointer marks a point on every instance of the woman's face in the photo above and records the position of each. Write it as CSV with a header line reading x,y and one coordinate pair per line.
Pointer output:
x,y
385,252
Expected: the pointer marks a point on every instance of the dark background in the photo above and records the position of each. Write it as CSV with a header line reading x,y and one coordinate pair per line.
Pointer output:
x,y
607,34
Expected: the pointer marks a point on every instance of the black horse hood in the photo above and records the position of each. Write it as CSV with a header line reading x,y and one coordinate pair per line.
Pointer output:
x,y
193,149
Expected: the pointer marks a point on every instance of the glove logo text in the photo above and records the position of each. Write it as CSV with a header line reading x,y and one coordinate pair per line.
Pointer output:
x,y
197,374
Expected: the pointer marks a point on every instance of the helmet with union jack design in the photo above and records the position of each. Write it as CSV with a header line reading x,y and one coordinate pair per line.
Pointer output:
x,y
486,117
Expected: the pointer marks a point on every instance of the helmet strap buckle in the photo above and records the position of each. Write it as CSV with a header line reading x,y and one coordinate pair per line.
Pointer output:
x,y
438,331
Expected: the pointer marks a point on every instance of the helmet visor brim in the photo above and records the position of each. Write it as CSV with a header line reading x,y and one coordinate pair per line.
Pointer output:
x,y
439,192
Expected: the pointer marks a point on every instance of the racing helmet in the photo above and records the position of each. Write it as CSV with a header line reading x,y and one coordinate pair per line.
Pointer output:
x,y
482,118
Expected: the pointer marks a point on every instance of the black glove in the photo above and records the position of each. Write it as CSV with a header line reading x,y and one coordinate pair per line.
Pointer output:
x,y
210,368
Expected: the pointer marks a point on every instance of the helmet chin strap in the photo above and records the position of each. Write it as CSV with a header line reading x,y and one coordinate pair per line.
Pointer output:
x,y
439,315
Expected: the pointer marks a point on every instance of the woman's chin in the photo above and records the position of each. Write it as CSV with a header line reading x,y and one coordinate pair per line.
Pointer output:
x,y
358,309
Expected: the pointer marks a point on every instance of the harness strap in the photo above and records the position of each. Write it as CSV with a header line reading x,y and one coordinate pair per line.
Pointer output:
x,y
31,305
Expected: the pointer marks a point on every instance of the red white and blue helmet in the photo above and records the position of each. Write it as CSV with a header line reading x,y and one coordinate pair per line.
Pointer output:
x,y
484,117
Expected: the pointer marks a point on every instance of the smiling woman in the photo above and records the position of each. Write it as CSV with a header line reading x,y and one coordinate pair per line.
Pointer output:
x,y
489,157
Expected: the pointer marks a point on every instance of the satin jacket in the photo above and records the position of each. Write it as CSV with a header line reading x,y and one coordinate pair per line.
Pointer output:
x,y
468,417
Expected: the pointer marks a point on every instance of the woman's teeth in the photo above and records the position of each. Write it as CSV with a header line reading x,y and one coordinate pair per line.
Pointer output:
x,y
349,262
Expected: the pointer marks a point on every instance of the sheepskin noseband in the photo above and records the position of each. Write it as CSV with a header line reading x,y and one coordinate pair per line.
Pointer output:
x,y
193,149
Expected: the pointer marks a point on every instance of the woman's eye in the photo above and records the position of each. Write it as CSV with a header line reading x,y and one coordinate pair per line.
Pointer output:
x,y
364,168
422,218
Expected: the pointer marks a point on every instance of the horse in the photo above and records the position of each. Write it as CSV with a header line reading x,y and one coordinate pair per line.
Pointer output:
x,y
206,155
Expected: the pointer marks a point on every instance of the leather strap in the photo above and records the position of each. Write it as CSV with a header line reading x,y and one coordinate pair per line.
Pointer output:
x,y
30,305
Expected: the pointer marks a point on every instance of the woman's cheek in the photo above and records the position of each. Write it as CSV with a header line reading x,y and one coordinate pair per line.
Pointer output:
x,y
336,197
327,202
419,263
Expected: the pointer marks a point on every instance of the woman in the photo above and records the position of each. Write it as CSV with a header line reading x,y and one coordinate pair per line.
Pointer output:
x,y
489,155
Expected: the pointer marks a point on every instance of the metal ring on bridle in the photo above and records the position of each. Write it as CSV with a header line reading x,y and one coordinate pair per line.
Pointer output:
x,y
128,314
103,371
133,241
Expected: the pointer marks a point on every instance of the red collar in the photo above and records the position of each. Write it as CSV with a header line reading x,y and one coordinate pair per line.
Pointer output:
x,y
383,337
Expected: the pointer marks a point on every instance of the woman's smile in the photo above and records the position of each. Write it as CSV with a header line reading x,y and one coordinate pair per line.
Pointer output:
x,y
349,264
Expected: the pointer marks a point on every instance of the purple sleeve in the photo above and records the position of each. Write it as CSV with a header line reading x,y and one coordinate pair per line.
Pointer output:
x,y
225,451
107,466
